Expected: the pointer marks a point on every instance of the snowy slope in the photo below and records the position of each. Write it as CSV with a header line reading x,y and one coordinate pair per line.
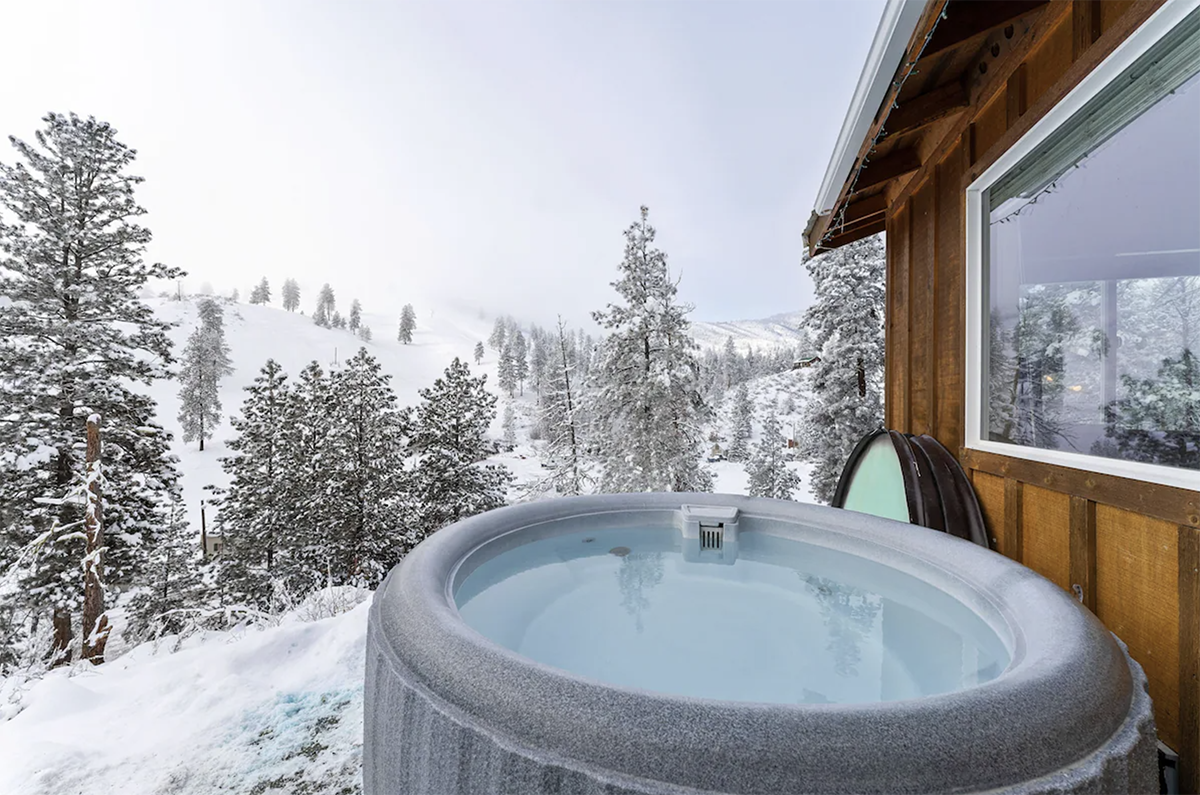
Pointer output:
x,y
256,333
783,329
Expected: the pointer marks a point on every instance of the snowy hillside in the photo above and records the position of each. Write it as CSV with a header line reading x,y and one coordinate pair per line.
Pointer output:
x,y
783,329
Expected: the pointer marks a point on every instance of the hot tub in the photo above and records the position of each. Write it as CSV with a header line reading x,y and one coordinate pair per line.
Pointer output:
x,y
673,643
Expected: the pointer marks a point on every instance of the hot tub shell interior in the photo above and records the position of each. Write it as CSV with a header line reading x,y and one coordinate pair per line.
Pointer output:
x,y
448,711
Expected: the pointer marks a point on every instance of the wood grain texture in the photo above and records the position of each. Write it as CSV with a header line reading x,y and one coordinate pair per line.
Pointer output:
x,y
1014,518
898,322
1016,101
1085,26
921,334
1083,550
1048,62
989,490
1137,597
950,305
1189,659
1045,534
1175,505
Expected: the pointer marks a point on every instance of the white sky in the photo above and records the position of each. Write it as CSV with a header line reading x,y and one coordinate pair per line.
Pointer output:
x,y
492,152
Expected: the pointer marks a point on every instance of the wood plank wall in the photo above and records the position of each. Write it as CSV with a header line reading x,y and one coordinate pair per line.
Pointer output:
x,y
1131,550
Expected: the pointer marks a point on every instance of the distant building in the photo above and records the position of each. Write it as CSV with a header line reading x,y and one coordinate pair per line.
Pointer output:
x,y
809,361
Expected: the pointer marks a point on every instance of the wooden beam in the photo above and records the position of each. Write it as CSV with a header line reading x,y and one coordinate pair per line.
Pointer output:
x,y
967,19
864,208
853,233
1014,519
887,168
1189,660
1016,97
1085,26
1175,505
1082,563
925,109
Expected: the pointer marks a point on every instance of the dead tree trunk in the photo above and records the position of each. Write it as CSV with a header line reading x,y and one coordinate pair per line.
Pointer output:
x,y
95,622
60,650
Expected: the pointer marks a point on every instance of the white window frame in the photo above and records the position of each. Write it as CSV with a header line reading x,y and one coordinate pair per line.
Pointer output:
x,y
1141,40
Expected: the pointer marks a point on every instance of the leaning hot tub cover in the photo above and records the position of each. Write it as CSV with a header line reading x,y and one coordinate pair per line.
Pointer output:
x,y
447,711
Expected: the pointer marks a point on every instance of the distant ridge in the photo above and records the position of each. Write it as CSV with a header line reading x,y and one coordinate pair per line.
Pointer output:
x,y
773,331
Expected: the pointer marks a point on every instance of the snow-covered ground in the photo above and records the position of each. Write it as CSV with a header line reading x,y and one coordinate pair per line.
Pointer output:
x,y
276,709
776,330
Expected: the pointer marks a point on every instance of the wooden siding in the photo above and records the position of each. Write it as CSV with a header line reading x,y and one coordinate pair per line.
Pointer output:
x,y
1129,550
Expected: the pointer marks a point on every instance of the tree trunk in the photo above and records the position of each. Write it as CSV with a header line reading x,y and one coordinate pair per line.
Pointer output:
x,y
60,651
95,623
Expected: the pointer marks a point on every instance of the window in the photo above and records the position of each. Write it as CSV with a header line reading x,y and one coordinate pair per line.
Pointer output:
x,y
1084,271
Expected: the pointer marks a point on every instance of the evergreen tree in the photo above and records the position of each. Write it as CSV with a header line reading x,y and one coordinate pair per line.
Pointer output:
x,y
326,307
75,339
364,485
261,294
449,483
478,352
337,321
205,363
561,419
647,406
364,333
235,295
1157,421
355,315
253,513
291,295
507,369
499,333
520,354
743,418
172,587
509,425
408,323
847,384
768,469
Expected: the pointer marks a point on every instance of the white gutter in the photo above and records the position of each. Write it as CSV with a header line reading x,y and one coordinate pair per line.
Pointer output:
x,y
895,29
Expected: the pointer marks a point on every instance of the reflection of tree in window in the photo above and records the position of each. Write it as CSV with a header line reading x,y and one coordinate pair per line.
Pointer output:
x,y
639,573
1158,419
849,615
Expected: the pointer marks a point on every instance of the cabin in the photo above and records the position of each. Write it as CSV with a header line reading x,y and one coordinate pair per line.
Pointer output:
x,y
805,363
1036,169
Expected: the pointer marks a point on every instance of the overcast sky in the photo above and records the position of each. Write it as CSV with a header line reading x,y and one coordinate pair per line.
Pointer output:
x,y
489,151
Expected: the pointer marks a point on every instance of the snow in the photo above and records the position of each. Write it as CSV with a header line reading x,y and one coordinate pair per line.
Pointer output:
x,y
774,331
226,713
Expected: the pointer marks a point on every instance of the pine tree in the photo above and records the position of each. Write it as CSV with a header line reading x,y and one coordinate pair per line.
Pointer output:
x,y
743,419
76,339
507,369
261,294
478,352
408,323
364,486
253,513
509,425
768,469
235,295
337,321
205,362
847,384
364,333
647,405
449,483
499,332
291,295
172,587
561,419
326,307
520,350
355,315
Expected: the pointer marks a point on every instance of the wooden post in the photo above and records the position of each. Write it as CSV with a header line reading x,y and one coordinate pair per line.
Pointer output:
x,y
203,532
95,622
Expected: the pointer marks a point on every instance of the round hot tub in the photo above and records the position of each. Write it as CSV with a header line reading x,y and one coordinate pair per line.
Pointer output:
x,y
672,643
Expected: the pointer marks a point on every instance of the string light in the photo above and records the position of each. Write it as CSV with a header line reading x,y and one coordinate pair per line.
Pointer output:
x,y
839,223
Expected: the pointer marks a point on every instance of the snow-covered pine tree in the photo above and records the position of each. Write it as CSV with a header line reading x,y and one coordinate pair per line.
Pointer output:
x,y
261,294
509,425
355,315
520,350
75,339
254,515
507,368
647,409
732,364
561,419
408,324
235,295
449,436
767,468
499,333
743,424
364,483
204,363
847,384
539,358
364,333
478,352
291,295
326,307
336,320
171,589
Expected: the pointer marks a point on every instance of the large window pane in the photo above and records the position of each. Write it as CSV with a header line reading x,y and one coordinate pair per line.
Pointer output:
x,y
1093,273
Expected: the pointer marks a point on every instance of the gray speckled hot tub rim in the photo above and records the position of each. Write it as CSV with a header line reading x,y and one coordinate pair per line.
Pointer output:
x,y
449,711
